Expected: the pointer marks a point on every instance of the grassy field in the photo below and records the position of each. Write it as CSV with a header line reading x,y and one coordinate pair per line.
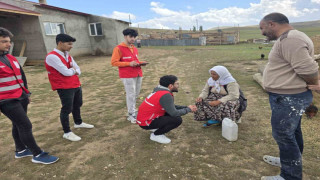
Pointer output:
x,y
248,32
311,28
252,32
117,149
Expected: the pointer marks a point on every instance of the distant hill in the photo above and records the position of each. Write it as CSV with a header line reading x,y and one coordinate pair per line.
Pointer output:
x,y
311,28
306,24
216,28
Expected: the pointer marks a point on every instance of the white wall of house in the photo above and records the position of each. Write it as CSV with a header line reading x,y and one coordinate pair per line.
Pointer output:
x,y
111,34
40,42
74,25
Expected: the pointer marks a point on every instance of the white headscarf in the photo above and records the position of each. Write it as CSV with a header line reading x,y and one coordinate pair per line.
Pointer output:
x,y
224,77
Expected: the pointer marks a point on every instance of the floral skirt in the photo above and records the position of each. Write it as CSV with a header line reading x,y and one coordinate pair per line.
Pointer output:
x,y
219,112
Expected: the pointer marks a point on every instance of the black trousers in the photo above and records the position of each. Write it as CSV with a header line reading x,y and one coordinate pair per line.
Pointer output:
x,y
71,100
16,111
164,124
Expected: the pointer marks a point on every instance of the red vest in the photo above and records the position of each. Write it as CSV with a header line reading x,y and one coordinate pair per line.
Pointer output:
x,y
151,108
11,83
59,81
128,56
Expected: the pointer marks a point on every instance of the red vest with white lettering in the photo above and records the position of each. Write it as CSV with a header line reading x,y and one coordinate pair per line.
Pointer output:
x,y
128,56
151,108
11,83
58,80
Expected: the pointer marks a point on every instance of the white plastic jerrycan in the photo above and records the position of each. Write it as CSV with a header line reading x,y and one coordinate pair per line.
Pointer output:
x,y
229,129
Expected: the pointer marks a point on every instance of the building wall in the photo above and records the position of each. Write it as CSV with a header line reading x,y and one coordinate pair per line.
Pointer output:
x,y
170,42
119,27
25,28
75,26
111,35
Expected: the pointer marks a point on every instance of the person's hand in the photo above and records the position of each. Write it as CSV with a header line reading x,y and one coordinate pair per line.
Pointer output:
x,y
315,87
214,103
75,70
134,64
143,63
199,99
193,108
29,98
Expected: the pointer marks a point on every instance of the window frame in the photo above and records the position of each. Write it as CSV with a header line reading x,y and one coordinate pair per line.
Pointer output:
x,y
56,24
95,29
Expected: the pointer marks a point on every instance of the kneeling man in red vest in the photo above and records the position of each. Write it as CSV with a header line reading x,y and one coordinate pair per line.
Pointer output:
x,y
63,74
159,114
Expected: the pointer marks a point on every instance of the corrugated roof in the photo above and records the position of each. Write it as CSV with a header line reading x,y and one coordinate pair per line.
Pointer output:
x,y
14,9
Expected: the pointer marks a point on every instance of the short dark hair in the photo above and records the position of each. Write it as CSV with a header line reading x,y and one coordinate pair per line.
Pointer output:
x,y
5,33
64,38
130,32
167,80
277,18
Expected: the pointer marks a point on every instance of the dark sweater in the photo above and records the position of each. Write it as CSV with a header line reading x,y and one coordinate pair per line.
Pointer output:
x,y
167,102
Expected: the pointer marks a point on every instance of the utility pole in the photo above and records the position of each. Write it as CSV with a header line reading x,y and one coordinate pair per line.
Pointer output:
x,y
197,25
238,33
129,21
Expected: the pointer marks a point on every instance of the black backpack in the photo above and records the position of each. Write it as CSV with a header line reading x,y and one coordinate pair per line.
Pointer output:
x,y
242,99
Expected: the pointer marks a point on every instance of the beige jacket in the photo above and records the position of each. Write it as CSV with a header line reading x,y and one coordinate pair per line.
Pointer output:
x,y
291,56
233,89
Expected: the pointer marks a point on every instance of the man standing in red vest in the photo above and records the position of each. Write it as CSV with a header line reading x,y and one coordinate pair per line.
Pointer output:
x,y
125,56
159,114
63,74
14,100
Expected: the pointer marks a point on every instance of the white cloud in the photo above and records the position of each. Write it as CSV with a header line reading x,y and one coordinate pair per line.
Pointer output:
x,y
169,19
121,16
310,10
189,7
235,15
156,4
158,9
152,23
316,1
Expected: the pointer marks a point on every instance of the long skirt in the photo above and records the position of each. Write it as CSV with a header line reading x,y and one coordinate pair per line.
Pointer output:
x,y
206,111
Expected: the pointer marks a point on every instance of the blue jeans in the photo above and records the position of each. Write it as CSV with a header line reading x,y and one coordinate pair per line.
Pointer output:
x,y
287,110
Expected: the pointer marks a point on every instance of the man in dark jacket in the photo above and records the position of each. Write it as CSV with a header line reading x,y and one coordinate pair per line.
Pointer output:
x,y
158,113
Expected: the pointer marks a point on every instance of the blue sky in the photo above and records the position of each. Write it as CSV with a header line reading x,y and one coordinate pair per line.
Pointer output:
x,y
172,14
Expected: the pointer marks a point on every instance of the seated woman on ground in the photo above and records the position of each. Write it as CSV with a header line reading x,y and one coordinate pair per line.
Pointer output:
x,y
219,98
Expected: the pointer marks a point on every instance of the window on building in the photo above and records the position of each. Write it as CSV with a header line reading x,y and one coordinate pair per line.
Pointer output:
x,y
54,28
95,29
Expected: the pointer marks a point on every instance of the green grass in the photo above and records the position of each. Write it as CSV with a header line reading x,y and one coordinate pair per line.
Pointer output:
x,y
252,32
117,149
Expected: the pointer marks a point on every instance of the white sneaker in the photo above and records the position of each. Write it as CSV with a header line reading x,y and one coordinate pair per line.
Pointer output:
x,y
272,178
153,130
238,121
160,138
71,136
83,125
274,161
132,119
135,113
